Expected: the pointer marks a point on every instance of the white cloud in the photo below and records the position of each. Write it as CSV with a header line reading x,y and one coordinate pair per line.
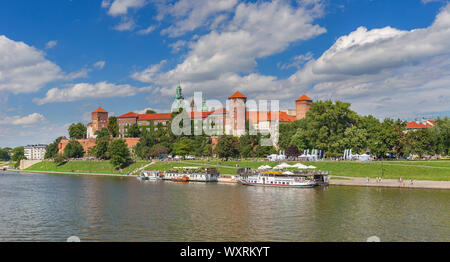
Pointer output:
x,y
51,44
297,61
28,120
191,15
100,64
85,91
24,69
178,45
127,24
387,72
251,34
121,7
147,30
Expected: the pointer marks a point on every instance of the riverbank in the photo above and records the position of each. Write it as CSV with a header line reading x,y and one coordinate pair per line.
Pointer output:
x,y
68,173
85,167
363,182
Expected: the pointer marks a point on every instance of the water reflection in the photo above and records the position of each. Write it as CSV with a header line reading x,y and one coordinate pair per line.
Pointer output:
x,y
54,207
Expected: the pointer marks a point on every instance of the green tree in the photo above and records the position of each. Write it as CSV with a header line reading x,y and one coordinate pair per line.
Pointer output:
x,y
103,133
158,150
143,148
52,150
4,155
73,150
183,146
17,154
59,159
100,150
247,145
113,126
77,131
119,153
227,146
420,142
133,131
149,111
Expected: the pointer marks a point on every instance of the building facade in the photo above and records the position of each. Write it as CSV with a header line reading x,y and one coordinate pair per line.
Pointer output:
x,y
35,152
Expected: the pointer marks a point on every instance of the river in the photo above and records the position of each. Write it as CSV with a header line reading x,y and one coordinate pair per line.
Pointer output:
x,y
39,207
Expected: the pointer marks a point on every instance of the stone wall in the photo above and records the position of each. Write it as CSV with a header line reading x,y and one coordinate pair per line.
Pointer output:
x,y
24,164
90,142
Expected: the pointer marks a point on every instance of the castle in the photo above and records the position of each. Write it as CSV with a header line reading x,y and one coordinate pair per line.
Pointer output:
x,y
234,123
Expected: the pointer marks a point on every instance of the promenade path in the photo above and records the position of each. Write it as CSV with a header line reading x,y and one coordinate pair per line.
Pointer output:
x,y
360,181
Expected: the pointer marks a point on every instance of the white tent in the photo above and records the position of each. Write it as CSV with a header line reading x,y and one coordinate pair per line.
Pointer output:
x,y
265,167
312,167
283,165
300,166
288,173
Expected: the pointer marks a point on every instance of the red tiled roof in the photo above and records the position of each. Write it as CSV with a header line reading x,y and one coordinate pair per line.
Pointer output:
x,y
100,110
157,116
266,116
304,98
237,95
130,114
419,124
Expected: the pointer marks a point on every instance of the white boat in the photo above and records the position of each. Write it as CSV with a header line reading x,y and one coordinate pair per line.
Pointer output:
x,y
151,175
192,174
278,179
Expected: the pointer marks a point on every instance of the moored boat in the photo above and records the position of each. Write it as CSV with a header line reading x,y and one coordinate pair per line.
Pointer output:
x,y
194,174
143,176
153,174
278,179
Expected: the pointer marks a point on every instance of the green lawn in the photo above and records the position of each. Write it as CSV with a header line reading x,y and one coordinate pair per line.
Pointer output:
x,y
417,170
100,167
391,170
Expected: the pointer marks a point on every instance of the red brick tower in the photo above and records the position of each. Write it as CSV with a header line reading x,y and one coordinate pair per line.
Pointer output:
x,y
99,121
302,106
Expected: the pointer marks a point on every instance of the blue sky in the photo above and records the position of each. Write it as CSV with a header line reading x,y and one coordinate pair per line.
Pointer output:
x,y
61,59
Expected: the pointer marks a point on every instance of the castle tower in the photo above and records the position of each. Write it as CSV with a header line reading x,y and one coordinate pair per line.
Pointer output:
x,y
302,106
235,122
179,100
99,121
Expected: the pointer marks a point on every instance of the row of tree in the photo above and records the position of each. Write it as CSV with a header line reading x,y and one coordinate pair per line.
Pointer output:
x,y
334,127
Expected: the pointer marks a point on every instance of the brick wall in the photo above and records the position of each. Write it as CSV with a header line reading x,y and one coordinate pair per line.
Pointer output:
x,y
89,143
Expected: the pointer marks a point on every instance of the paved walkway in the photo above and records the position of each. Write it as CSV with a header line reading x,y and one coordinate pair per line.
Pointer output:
x,y
359,181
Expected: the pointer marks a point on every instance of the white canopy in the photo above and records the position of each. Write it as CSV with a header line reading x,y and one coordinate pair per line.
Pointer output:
x,y
300,166
288,173
265,167
312,167
283,165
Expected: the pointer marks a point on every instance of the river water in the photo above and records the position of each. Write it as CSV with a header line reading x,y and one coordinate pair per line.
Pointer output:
x,y
38,207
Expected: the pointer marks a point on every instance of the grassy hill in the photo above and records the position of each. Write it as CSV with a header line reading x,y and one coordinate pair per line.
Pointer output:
x,y
100,167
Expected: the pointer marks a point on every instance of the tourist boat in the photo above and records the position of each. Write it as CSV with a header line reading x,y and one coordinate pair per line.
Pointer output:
x,y
143,176
194,174
278,179
153,174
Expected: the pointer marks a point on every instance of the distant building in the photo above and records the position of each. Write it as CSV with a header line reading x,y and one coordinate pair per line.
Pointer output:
x,y
415,125
99,121
35,152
